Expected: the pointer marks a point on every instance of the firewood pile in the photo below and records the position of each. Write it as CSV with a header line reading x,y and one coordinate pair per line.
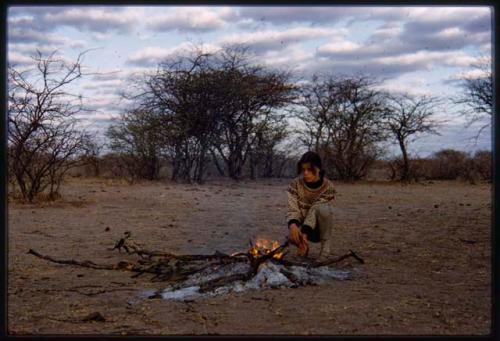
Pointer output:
x,y
191,275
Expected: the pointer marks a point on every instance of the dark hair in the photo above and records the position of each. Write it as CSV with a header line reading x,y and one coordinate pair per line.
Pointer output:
x,y
314,159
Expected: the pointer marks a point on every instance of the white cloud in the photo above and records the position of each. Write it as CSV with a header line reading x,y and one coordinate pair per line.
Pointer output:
x,y
30,48
386,32
15,58
275,40
428,59
339,47
98,36
412,84
97,116
459,76
450,32
101,102
188,19
151,55
458,59
28,35
20,20
290,14
486,47
94,19
433,14
99,85
292,57
410,58
97,19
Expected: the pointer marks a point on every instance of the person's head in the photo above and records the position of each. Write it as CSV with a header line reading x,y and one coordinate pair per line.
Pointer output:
x,y
310,167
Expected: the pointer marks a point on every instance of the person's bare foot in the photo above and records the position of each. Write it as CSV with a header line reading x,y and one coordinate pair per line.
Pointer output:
x,y
324,252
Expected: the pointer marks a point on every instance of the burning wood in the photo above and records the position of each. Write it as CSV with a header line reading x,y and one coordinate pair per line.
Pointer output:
x,y
263,247
188,276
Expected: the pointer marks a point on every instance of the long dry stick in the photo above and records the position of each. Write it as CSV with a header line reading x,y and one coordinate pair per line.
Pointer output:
x,y
322,263
87,263
132,248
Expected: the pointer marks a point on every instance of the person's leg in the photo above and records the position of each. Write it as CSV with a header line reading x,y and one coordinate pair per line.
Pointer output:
x,y
320,220
310,224
325,224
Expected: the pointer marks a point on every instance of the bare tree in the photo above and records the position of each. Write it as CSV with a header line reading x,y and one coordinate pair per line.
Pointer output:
x,y
407,117
343,122
449,164
253,95
138,139
265,157
43,138
91,157
320,100
182,95
482,164
477,95
211,104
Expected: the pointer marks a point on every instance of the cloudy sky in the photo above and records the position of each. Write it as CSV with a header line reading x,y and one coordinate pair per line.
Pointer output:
x,y
419,50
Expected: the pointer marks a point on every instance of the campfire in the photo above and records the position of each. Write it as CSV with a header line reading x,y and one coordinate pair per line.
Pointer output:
x,y
263,247
263,265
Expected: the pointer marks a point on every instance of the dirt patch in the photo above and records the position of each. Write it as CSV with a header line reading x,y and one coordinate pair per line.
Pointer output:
x,y
427,250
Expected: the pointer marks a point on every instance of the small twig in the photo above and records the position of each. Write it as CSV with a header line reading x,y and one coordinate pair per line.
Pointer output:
x,y
359,259
96,292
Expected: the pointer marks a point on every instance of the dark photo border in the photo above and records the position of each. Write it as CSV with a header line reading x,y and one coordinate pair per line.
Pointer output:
x,y
4,226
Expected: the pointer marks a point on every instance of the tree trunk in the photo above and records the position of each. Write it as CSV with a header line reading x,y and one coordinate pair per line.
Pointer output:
x,y
405,176
201,166
217,165
97,170
252,166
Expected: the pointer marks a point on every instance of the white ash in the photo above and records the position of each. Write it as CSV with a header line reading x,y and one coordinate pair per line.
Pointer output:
x,y
269,275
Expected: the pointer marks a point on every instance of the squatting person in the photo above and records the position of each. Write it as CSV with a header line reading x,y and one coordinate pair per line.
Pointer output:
x,y
310,206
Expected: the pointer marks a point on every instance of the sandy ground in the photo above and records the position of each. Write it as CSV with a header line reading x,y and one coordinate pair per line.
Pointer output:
x,y
427,250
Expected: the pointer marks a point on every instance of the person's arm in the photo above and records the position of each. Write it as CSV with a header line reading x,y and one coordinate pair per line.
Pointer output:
x,y
294,216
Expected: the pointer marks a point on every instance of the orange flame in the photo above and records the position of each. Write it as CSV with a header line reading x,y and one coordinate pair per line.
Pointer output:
x,y
264,246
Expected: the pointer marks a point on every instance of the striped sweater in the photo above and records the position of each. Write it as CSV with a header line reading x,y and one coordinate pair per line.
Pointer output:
x,y
302,197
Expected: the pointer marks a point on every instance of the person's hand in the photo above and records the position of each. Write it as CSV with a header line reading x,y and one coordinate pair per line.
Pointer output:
x,y
299,239
295,234
303,246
